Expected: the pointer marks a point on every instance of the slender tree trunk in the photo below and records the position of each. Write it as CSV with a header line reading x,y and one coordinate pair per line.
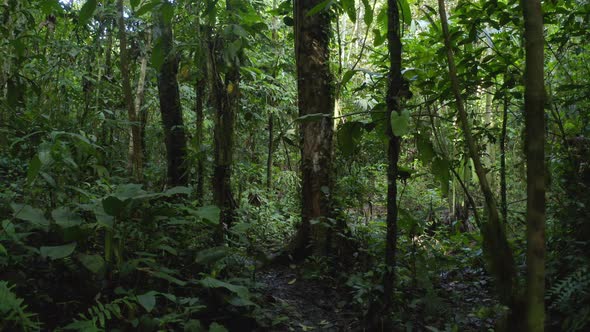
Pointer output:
x,y
137,155
503,189
139,97
534,99
200,87
393,105
270,151
170,107
315,96
496,245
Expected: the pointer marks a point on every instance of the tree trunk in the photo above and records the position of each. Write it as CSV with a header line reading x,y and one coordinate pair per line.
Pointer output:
x,y
534,99
270,150
200,87
315,96
136,155
496,247
225,94
139,97
170,107
503,188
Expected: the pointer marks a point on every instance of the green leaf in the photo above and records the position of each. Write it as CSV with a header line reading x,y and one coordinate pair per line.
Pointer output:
x,y
216,327
240,291
113,206
347,76
134,3
3,251
319,7
94,263
30,214
86,11
147,300
350,9
167,12
368,17
349,135
211,213
65,218
400,123
147,7
288,21
58,252
425,149
406,13
158,55
441,170
177,191
34,168
212,255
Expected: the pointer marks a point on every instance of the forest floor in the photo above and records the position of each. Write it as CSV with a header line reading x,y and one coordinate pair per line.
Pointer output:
x,y
295,303
299,304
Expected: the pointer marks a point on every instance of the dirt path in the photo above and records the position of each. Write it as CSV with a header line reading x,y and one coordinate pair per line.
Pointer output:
x,y
296,304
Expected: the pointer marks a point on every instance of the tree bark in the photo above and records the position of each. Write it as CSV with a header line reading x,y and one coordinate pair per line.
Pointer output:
x,y
200,91
136,157
496,246
394,46
170,107
315,96
534,99
225,95
503,188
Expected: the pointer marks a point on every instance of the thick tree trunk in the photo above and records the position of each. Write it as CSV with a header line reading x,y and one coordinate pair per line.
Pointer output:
x,y
315,96
137,154
496,247
170,107
225,94
534,99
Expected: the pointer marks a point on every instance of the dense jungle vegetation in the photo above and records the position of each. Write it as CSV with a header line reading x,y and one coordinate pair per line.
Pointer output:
x,y
306,165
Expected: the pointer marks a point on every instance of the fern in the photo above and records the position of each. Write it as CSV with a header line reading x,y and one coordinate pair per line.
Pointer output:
x,y
571,296
97,316
13,313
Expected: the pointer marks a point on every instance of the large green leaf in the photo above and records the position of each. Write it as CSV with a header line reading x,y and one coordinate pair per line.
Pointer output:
x,y
147,300
112,205
210,213
350,9
319,7
349,135
400,123
94,263
368,17
58,252
240,291
86,11
30,214
441,169
405,11
65,218
34,168
212,255
158,54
